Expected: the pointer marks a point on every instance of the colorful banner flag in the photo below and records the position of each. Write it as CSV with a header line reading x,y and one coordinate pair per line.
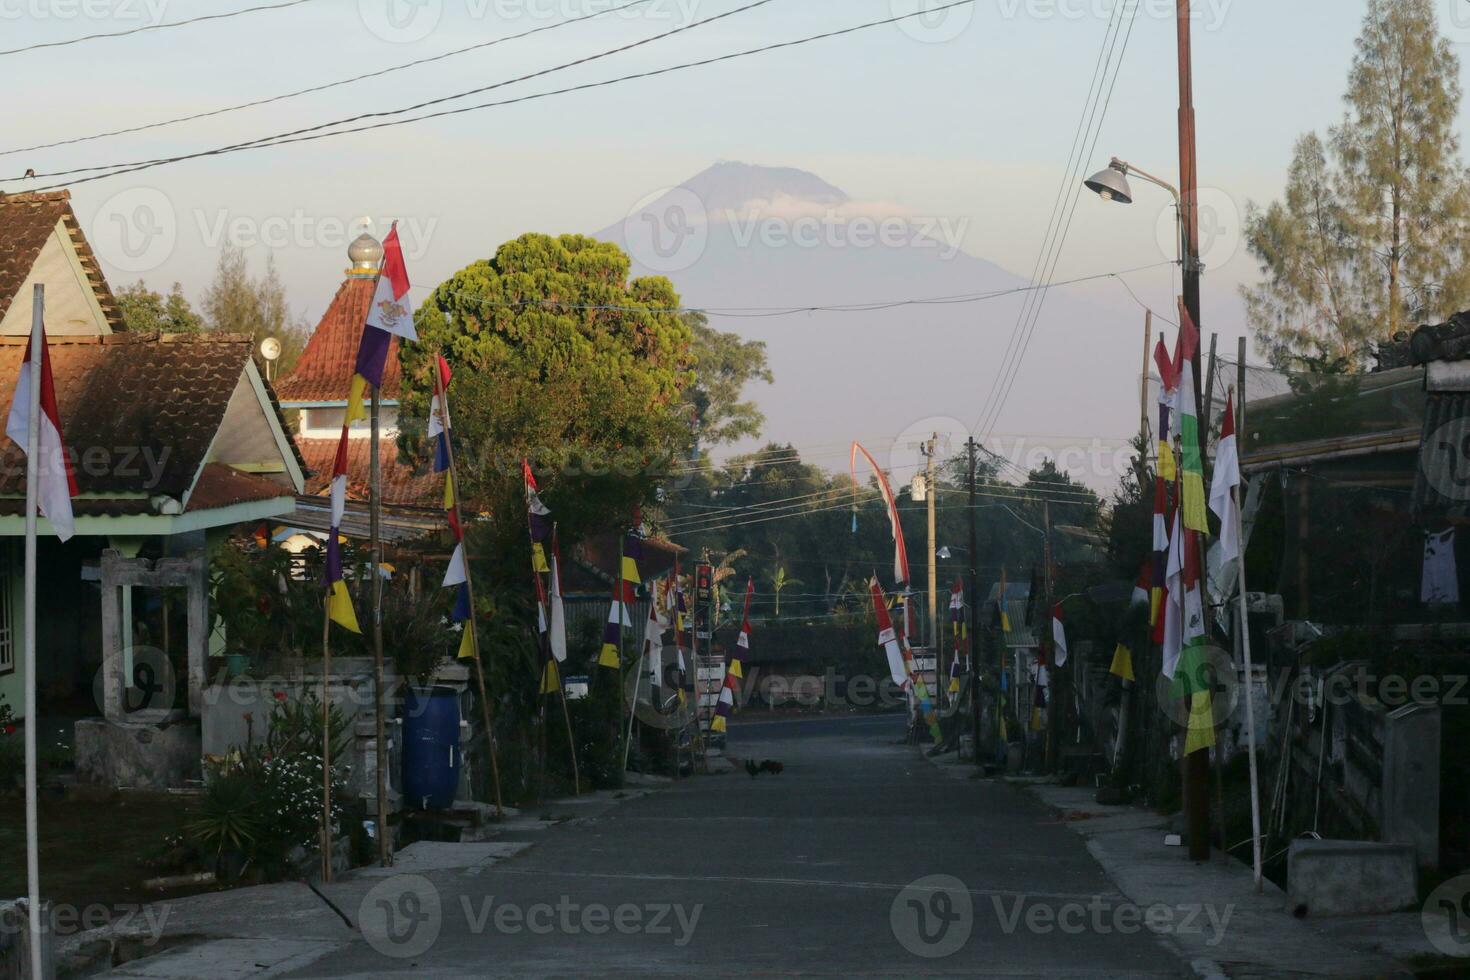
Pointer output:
x,y
900,551
959,633
625,594
1122,666
1191,461
920,687
1158,582
339,600
538,520
56,482
390,315
735,669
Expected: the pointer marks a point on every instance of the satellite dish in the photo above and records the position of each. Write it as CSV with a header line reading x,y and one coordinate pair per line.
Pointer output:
x,y
270,348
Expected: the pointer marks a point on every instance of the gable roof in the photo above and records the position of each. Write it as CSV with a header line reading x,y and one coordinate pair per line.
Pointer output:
x,y
26,223
140,413
324,371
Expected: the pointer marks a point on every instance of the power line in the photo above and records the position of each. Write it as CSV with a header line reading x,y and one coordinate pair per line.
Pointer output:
x,y
325,86
290,139
300,134
753,311
153,27
1061,243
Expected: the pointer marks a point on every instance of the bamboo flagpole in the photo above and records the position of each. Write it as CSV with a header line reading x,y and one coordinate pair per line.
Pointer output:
x,y
441,372
326,741
557,637
33,477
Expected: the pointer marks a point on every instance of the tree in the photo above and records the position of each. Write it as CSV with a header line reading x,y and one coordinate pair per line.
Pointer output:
x,y
237,302
558,358
724,365
780,582
1369,238
145,311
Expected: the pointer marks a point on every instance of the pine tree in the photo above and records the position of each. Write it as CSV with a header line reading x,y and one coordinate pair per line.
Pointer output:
x,y
1368,241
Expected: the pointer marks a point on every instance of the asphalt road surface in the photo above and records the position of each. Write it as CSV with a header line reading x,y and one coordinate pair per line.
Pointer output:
x,y
826,869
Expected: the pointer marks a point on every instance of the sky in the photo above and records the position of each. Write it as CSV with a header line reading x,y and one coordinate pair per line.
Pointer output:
x,y
964,117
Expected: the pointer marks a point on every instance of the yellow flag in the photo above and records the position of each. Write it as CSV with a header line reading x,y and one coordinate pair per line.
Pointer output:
x,y
339,607
538,558
718,724
356,410
1201,733
550,678
467,642
610,657
1123,663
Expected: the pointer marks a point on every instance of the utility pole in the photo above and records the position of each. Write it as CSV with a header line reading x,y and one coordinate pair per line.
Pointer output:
x,y
974,609
934,644
1196,764
1054,675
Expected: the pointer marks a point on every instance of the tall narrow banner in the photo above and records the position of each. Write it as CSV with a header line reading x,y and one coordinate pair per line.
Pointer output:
x,y
1159,579
1168,394
900,551
626,593
735,669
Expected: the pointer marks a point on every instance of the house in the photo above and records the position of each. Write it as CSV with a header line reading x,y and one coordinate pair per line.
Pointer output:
x,y
175,440
317,387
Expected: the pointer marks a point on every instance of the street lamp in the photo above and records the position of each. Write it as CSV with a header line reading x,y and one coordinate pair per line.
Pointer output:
x,y
1111,184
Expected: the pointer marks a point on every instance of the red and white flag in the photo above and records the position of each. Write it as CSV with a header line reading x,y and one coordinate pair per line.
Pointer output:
x,y
1223,499
56,483
391,310
1058,636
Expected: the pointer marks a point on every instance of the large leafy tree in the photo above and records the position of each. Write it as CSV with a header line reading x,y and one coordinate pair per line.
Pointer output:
x,y
560,359
146,311
725,365
1369,237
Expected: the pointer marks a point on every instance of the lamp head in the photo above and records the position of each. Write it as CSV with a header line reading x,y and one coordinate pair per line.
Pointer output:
x,y
1111,184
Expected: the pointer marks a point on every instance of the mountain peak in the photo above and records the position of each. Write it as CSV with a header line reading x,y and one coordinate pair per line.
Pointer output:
x,y
731,185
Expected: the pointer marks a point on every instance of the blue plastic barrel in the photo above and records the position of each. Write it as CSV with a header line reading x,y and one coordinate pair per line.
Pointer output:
x,y
431,753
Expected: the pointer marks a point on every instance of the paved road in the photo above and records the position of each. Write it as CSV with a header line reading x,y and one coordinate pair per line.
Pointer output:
x,y
786,875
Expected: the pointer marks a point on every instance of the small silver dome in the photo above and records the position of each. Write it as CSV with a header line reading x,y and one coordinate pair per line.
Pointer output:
x,y
366,254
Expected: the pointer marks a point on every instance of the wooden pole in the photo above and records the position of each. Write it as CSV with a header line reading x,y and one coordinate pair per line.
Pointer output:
x,y
486,712
933,568
973,612
1245,647
33,474
380,708
326,741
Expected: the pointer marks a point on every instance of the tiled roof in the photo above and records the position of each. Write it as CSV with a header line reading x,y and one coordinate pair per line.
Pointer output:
x,y
26,221
402,485
223,486
324,370
139,412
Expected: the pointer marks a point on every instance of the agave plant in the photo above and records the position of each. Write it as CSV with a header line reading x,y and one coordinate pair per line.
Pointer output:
x,y
228,819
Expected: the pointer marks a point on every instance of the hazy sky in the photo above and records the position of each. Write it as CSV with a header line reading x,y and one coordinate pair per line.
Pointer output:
x,y
967,121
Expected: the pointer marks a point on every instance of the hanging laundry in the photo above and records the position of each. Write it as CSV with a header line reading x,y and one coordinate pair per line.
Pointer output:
x,y
1441,575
